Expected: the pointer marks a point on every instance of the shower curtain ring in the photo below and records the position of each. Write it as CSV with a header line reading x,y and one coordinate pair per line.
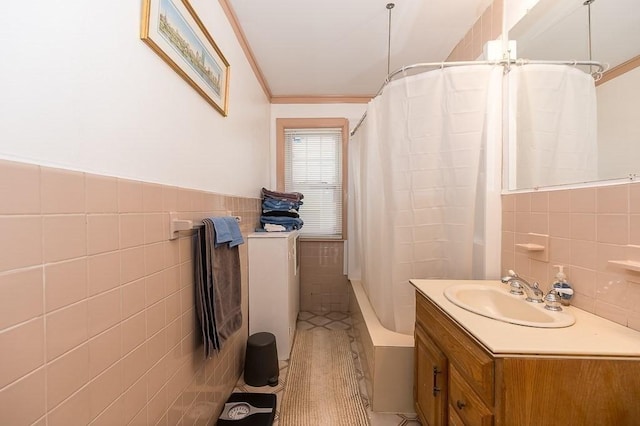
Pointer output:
x,y
597,75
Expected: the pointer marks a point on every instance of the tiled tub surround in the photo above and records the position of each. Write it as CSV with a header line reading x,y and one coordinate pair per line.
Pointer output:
x,y
324,287
587,227
97,321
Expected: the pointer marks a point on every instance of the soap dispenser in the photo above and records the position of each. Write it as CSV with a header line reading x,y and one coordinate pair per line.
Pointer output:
x,y
562,287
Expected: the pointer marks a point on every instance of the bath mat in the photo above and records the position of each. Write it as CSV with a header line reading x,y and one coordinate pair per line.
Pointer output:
x,y
322,386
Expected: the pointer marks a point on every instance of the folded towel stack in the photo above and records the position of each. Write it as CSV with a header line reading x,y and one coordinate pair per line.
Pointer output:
x,y
280,210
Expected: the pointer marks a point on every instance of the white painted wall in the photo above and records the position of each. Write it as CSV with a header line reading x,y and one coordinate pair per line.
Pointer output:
x,y
80,90
352,112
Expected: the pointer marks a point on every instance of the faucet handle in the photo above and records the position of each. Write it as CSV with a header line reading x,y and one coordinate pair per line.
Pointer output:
x,y
515,288
552,300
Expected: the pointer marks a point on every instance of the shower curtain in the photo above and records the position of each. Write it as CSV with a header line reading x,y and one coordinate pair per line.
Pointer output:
x,y
555,125
416,172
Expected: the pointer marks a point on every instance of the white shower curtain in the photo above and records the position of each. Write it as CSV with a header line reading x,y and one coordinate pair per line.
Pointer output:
x,y
555,125
415,173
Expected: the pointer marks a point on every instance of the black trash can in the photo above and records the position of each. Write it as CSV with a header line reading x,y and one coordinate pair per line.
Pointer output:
x,y
261,360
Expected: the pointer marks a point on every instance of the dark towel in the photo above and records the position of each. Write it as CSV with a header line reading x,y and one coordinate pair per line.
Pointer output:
x,y
281,214
204,295
218,289
288,196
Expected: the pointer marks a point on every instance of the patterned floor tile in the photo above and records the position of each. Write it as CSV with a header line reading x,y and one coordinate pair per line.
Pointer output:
x,y
303,316
303,325
337,316
319,320
333,321
385,419
409,420
337,325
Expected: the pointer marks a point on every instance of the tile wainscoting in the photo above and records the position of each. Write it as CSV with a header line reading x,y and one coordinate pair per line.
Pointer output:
x,y
97,318
587,227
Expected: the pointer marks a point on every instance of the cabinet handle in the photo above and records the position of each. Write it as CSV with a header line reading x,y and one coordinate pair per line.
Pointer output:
x,y
436,389
460,404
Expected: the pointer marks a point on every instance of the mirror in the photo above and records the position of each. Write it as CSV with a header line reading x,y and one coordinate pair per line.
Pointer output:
x,y
559,30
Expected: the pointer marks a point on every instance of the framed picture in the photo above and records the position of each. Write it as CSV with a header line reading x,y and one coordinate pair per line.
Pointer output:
x,y
174,31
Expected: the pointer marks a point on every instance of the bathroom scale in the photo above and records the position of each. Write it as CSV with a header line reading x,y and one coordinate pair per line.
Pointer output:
x,y
248,409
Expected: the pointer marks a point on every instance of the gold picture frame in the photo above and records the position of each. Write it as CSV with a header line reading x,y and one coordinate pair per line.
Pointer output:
x,y
173,30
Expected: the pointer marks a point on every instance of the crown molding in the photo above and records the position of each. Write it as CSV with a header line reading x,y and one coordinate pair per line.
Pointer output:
x,y
319,99
242,39
281,99
619,70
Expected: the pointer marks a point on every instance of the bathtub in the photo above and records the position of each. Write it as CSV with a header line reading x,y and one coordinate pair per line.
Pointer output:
x,y
387,357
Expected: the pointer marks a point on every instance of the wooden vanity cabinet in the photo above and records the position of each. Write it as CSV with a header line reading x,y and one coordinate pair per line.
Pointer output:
x,y
431,382
466,384
476,387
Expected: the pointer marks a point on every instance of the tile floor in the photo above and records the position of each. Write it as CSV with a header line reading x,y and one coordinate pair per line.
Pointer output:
x,y
332,321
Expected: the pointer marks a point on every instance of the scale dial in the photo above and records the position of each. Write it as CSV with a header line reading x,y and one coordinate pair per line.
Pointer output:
x,y
239,411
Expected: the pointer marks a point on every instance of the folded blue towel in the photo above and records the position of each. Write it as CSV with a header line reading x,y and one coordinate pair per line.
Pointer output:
x,y
280,205
290,223
227,231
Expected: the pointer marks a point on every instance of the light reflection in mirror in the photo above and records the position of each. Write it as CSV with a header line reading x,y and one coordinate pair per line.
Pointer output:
x,y
555,30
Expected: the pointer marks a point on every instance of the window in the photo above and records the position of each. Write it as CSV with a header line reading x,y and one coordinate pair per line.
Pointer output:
x,y
311,160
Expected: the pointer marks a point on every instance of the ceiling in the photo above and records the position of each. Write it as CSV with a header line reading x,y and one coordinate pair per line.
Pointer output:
x,y
339,47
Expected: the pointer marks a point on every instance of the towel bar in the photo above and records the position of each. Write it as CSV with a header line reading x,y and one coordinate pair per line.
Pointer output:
x,y
200,224
176,225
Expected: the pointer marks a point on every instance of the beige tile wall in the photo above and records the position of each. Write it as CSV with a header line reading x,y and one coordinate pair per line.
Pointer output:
x,y
323,285
587,227
97,321
487,27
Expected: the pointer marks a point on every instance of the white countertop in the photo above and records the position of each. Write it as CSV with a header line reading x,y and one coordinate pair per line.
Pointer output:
x,y
591,335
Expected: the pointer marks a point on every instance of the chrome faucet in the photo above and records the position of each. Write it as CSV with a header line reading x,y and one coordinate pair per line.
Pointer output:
x,y
553,299
520,286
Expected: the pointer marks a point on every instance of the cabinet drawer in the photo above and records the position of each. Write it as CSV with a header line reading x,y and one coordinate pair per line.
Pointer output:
x,y
454,418
471,361
464,402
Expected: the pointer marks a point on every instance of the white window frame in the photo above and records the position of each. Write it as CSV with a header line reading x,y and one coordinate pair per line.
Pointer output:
x,y
313,123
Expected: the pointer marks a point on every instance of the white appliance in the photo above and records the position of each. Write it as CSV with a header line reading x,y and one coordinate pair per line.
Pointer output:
x,y
274,286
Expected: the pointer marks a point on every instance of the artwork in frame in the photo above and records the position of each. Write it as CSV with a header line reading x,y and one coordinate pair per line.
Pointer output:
x,y
175,32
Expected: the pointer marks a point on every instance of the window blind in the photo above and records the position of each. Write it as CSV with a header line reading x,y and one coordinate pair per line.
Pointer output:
x,y
313,166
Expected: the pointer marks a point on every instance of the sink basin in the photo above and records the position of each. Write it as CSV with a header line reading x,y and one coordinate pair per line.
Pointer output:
x,y
496,303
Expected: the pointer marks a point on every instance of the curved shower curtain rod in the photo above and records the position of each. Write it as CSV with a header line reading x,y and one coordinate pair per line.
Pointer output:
x,y
504,62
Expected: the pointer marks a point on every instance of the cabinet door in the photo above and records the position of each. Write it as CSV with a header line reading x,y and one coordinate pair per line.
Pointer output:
x,y
430,387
